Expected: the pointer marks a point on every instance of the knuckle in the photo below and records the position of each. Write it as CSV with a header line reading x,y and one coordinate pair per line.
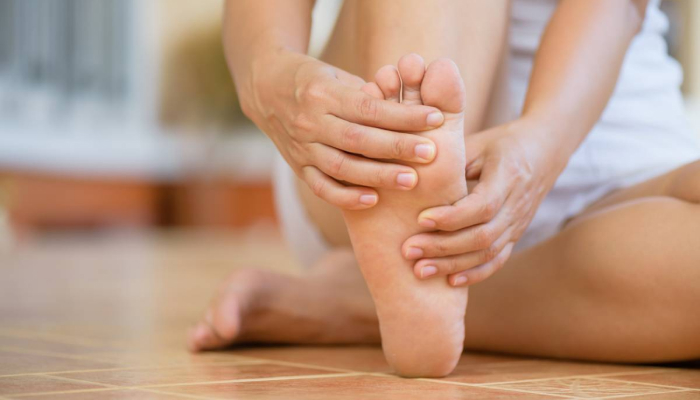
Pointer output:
x,y
398,148
490,253
336,165
483,238
318,187
452,266
368,108
314,92
378,179
302,121
439,247
352,137
488,210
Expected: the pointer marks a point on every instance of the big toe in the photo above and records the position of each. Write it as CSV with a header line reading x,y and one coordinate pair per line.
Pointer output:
x,y
412,71
443,86
219,328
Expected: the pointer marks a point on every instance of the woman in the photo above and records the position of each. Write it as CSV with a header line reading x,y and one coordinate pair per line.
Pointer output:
x,y
587,164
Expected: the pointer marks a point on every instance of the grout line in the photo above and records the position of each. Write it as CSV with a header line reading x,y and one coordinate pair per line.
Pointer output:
x,y
572,377
61,378
67,392
154,387
495,388
621,396
167,366
310,366
268,379
185,395
660,385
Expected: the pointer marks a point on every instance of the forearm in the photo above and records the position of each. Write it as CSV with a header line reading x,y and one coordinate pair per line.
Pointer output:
x,y
471,33
255,28
577,66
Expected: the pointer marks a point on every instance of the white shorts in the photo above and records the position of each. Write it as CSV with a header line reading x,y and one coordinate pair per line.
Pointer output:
x,y
606,161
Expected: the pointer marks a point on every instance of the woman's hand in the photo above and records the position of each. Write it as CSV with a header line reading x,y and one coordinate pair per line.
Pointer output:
x,y
330,132
475,236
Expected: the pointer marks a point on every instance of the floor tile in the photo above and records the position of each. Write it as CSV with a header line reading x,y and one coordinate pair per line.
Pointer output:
x,y
191,374
583,387
501,371
686,395
355,358
38,383
687,378
107,395
182,357
350,387
24,363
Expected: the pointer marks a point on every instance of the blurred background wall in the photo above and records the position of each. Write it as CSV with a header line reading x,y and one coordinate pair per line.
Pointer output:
x,y
121,114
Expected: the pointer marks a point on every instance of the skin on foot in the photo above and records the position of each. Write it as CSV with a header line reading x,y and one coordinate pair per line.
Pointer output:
x,y
329,305
421,322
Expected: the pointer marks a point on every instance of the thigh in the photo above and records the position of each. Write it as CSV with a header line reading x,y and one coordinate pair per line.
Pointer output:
x,y
621,283
682,183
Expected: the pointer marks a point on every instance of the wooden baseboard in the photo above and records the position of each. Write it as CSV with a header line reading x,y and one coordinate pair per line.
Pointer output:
x,y
48,201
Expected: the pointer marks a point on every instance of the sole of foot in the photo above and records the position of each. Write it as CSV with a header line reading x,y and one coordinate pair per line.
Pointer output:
x,y
421,322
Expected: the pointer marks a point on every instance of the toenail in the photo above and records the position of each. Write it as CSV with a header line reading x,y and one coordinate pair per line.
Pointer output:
x,y
368,199
427,223
406,180
435,119
425,151
459,280
428,270
414,253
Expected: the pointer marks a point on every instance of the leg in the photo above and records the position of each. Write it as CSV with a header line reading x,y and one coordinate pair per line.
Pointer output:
x,y
605,289
422,323
618,284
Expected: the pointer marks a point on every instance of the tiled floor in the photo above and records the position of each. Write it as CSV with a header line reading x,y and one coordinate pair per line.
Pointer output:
x,y
104,315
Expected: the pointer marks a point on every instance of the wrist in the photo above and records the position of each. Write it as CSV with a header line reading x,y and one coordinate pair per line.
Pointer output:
x,y
553,141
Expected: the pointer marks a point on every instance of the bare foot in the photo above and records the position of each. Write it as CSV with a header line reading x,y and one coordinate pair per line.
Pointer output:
x,y
421,322
330,305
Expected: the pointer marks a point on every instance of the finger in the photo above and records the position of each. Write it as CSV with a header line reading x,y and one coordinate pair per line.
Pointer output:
x,y
356,106
349,79
444,244
362,171
451,265
377,143
345,197
484,271
478,207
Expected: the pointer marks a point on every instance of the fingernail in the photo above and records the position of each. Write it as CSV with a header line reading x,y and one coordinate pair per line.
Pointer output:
x,y
460,280
428,270
426,223
414,253
406,180
425,151
368,199
435,119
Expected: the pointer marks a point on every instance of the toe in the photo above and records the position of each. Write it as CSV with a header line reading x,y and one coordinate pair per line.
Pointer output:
x,y
389,82
412,70
443,86
220,326
373,90
201,338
